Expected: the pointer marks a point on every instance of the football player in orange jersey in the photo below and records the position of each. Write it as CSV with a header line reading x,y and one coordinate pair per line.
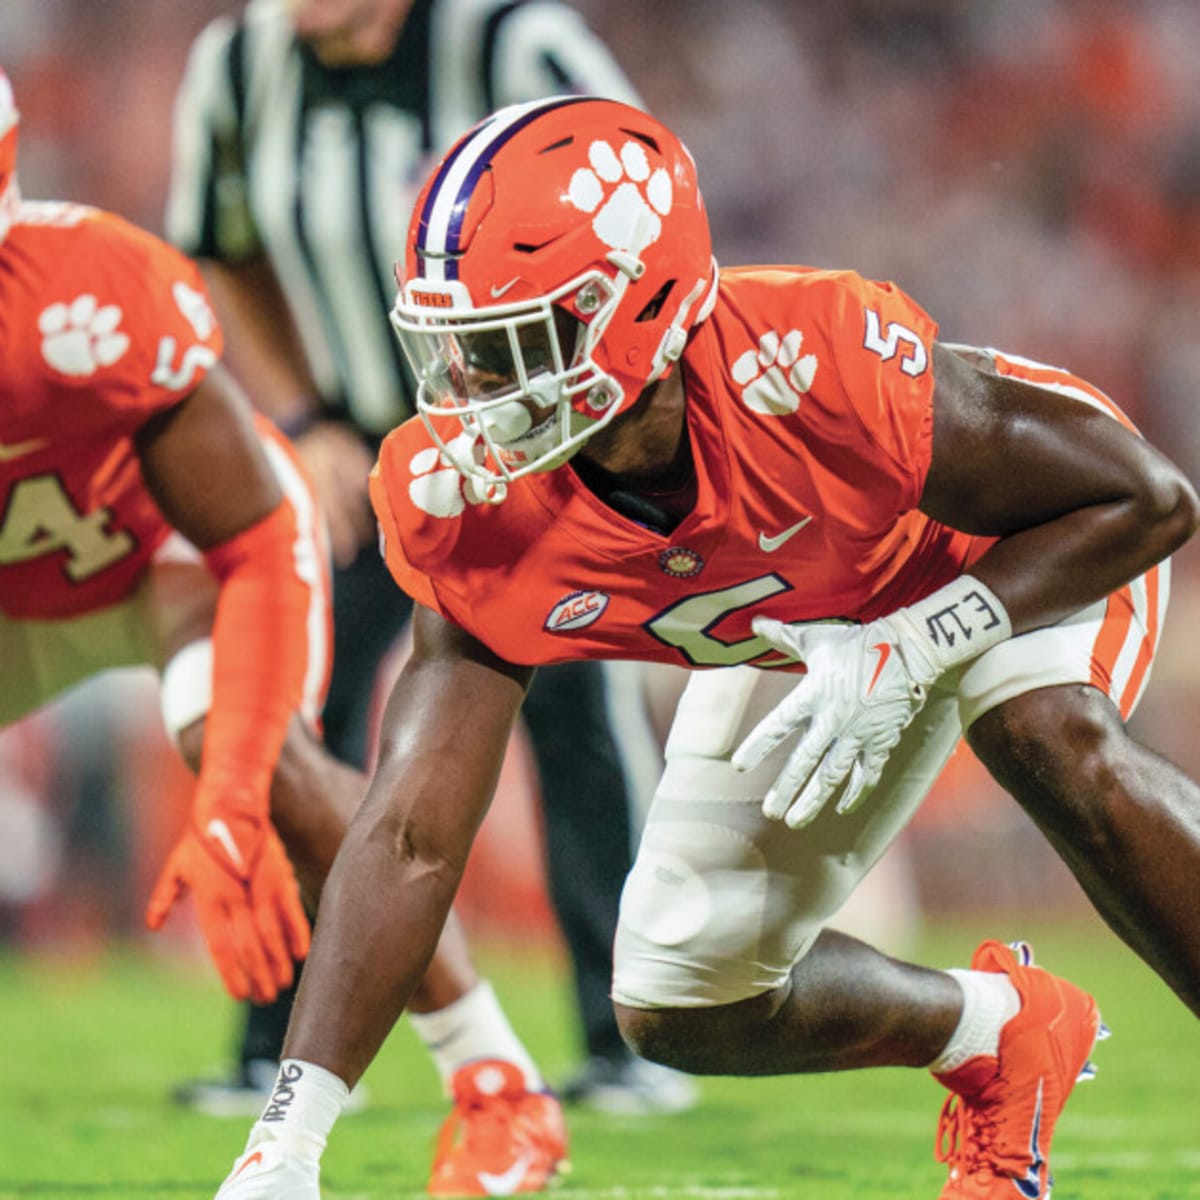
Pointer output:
x,y
118,431
148,516
287,226
879,541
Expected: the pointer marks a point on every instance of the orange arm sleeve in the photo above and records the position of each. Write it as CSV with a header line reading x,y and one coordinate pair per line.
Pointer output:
x,y
260,656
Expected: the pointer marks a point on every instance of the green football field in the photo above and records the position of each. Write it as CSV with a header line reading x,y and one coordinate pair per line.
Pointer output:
x,y
90,1052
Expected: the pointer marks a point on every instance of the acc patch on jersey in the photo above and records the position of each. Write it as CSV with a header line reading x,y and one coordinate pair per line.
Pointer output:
x,y
576,611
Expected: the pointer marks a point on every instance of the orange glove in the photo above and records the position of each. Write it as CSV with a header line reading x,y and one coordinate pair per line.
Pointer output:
x,y
230,857
246,895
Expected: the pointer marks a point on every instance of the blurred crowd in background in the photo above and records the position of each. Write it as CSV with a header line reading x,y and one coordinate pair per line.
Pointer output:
x,y
1029,170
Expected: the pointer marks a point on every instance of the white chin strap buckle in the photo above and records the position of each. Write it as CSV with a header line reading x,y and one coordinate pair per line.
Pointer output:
x,y
673,344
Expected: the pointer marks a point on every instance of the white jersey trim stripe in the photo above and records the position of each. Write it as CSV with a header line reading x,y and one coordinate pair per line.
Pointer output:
x,y
310,556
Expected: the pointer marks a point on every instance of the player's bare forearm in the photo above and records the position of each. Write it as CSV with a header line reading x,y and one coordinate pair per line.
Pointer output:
x,y
381,916
204,464
1043,575
1082,505
393,882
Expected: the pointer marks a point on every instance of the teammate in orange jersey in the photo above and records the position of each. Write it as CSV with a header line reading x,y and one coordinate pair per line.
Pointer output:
x,y
119,439
882,540
147,516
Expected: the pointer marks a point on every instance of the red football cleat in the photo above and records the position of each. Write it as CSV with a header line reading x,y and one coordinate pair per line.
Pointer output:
x,y
997,1123
500,1138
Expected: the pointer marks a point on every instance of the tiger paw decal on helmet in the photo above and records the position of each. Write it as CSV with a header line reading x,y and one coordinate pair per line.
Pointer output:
x,y
639,201
775,376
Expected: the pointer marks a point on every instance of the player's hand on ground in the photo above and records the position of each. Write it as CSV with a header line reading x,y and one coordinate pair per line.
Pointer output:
x,y
864,684
339,463
246,896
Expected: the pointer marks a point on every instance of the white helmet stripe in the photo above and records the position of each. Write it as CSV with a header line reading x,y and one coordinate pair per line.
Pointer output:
x,y
450,193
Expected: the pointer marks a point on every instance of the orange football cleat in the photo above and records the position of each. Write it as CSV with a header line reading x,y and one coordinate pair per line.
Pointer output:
x,y
996,1125
500,1138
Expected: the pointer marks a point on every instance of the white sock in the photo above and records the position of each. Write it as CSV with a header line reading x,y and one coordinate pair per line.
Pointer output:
x,y
304,1104
989,1002
472,1027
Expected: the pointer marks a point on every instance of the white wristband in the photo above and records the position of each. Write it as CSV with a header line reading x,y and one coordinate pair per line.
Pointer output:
x,y
957,623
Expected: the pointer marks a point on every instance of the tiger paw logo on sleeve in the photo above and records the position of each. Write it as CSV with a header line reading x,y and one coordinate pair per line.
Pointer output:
x,y
80,337
775,376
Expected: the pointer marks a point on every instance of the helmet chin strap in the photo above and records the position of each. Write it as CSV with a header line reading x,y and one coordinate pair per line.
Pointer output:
x,y
675,338
632,268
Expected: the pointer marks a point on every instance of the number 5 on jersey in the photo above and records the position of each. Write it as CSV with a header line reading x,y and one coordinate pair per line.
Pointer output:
x,y
915,358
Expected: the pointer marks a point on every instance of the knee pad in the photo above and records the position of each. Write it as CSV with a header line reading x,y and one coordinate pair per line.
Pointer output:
x,y
722,902
693,913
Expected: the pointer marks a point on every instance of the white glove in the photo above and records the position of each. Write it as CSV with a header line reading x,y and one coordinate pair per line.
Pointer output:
x,y
272,1170
864,684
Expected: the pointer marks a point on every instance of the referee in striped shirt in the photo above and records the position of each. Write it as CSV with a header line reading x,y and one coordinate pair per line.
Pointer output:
x,y
303,130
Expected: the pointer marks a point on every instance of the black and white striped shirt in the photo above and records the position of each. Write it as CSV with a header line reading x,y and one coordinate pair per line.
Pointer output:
x,y
318,169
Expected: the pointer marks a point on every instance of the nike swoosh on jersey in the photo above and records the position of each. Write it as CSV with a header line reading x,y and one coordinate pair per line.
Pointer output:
x,y
20,449
219,831
769,544
506,1183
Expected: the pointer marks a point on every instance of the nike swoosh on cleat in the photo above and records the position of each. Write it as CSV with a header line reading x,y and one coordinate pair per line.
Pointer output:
x,y
251,1160
768,545
1089,1068
506,1183
1030,1184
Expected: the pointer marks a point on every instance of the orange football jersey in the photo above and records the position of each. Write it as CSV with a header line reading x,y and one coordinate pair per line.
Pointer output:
x,y
101,326
809,408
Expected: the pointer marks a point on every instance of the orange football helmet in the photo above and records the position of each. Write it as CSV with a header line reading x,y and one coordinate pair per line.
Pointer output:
x,y
10,197
556,260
